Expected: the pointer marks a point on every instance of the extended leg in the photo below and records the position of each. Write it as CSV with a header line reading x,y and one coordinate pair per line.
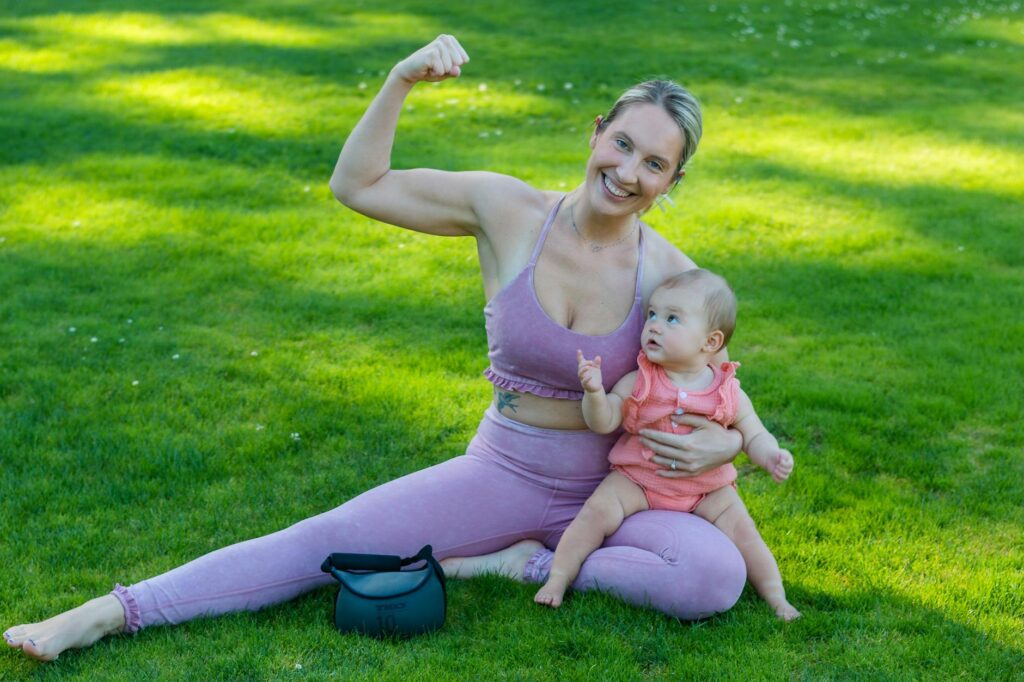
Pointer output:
x,y
726,510
462,506
616,499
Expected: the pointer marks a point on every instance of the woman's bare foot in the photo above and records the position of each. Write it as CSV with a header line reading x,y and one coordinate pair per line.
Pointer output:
x,y
553,591
79,627
509,562
786,611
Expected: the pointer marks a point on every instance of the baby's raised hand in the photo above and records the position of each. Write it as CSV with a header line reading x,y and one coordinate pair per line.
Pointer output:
x,y
589,372
783,466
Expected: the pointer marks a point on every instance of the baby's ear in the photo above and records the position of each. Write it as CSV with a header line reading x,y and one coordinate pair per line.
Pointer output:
x,y
714,342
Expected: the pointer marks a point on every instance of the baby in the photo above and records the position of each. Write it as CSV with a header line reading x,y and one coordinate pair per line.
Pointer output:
x,y
689,320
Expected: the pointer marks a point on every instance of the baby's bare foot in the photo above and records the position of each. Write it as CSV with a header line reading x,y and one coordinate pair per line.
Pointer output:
x,y
787,612
79,627
553,591
509,562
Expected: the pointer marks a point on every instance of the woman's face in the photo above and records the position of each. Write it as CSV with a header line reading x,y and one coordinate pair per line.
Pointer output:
x,y
634,159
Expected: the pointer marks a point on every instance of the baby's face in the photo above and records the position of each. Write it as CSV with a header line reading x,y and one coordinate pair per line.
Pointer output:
x,y
676,330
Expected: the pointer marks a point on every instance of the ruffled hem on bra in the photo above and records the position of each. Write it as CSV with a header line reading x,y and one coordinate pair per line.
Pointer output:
x,y
522,386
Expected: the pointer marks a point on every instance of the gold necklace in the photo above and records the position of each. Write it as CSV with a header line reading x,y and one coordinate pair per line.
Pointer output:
x,y
595,246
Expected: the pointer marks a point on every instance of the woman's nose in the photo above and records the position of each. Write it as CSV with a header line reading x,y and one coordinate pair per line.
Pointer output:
x,y
627,170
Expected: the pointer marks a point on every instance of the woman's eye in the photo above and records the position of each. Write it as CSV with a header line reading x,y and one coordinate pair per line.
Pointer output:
x,y
620,143
655,166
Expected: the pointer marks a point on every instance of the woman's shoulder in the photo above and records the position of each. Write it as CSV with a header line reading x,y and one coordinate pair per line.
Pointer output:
x,y
663,260
513,211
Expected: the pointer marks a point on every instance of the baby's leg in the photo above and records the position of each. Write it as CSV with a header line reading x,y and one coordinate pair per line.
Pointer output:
x,y
614,500
725,509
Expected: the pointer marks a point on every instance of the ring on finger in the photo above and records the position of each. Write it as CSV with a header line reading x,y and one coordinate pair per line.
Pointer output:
x,y
672,466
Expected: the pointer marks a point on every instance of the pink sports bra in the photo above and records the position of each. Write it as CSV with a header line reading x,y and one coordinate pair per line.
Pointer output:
x,y
531,353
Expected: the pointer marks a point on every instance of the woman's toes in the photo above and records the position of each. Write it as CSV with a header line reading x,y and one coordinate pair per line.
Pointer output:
x,y
15,636
37,651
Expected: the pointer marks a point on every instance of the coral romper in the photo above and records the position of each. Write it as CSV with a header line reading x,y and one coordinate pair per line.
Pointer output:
x,y
653,400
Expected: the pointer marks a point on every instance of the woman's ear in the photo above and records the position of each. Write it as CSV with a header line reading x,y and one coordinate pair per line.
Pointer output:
x,y
714,342
597,131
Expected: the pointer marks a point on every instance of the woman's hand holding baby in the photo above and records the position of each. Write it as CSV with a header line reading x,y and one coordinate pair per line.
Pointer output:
x,y
589,372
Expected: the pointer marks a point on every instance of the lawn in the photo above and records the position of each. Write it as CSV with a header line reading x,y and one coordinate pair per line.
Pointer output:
x,y
199,345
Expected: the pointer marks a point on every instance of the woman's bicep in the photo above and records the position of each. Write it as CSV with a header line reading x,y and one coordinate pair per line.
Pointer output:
x,y
428,200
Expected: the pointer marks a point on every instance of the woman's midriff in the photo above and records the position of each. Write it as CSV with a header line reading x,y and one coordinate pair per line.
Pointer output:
x,y
534,410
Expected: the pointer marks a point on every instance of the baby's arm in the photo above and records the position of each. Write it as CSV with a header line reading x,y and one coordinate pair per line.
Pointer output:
x,y
759,444
601,411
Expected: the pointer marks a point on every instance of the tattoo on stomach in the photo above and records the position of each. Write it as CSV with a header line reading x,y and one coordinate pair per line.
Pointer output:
x,y
507,400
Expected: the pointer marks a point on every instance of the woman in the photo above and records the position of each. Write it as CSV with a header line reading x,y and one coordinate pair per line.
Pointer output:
x,y
561,273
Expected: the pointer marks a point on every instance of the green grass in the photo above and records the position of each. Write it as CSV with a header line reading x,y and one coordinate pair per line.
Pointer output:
x,y
163,190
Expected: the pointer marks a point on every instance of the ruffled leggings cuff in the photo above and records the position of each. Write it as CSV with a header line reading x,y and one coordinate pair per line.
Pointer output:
x,y
132,617
538,566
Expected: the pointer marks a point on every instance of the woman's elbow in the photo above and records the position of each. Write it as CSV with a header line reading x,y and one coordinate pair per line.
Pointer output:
x,y
341,190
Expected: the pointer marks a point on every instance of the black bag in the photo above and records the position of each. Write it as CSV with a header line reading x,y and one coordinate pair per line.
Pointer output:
x,y
375,597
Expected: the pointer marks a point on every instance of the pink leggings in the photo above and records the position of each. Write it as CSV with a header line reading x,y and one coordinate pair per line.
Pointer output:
x,y
514,482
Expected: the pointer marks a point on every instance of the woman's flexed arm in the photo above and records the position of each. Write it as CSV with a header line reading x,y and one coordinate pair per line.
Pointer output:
x,y
422,199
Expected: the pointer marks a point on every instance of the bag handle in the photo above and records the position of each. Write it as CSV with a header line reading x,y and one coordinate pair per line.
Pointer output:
x,y
377,562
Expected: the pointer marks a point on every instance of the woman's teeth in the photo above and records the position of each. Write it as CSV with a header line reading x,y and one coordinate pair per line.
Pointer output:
x,y
613,189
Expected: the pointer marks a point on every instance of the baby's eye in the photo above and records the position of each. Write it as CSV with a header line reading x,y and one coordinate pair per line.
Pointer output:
x,y
651,315
672,319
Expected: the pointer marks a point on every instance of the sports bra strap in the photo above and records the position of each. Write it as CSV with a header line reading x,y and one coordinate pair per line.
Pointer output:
x,y
544,231
640,266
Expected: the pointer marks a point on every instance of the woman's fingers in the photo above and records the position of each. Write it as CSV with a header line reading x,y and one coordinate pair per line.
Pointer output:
x,y
459,54
438,60
695,420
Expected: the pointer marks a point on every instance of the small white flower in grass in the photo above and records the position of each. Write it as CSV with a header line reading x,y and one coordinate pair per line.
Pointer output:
x,y
296,437
485,134
176,356
482,87
572,129
121,340
306,188
129,320
362,86
260,427
440,114
401,246
160,328
497,132
135,383
540,86
77,223
739,100
254,353
567,86
231,131
71,330
298,666
959,248
3,239
93,340
517,82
